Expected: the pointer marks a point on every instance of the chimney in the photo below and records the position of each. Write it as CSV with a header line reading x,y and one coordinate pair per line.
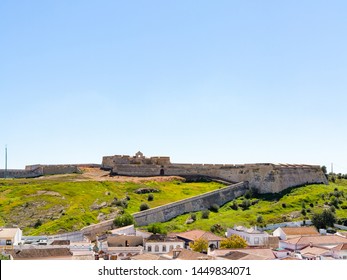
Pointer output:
x,y
175,253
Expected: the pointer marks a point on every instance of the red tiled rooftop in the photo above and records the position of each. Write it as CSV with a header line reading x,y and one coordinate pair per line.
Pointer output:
x,y
196,234
300,231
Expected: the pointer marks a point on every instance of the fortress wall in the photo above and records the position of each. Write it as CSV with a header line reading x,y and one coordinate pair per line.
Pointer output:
x,y
197,203
20,173
136,170
288,177
266,177
59,169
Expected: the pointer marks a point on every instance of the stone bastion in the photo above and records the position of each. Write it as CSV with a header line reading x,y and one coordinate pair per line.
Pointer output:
x,y
266,177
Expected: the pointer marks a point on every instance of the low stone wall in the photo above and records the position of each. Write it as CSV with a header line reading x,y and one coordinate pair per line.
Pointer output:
x,y
193,204
20,173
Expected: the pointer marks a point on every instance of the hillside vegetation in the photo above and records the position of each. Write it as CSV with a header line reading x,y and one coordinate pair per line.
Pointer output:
x,y
57,204
290,205
50,205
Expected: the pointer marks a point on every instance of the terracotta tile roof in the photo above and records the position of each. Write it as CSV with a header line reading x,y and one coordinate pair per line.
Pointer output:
x,y
341,247
184,254
317,240
60,242
234,255
40,253
300,231
146,256
196,234
252,253
314,250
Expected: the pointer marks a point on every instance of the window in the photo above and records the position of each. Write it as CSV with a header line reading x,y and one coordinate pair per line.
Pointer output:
x,y
8,242
256,240
164,248
149,248
156,248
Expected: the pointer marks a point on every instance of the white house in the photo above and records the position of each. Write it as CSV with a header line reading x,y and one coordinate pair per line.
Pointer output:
x,y
9,237
253,236
161,244
285,233
213,240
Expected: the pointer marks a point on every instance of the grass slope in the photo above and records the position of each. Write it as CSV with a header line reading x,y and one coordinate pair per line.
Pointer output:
x,y
55,205
276,208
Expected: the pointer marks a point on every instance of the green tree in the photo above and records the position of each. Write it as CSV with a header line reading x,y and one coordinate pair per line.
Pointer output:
x,y
324,169
123,220
324,219
199,245
234,241
260,219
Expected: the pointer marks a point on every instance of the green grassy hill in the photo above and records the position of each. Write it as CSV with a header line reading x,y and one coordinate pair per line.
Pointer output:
x,y
272,208
52,205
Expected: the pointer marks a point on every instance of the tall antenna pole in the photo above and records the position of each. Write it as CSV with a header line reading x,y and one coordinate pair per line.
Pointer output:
x,y
332,167
5,175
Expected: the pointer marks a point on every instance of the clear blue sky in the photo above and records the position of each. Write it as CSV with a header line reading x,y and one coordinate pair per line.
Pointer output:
x,y
200,81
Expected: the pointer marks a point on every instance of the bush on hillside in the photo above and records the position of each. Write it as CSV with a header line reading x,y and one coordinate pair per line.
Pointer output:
x,y
205,214
144,206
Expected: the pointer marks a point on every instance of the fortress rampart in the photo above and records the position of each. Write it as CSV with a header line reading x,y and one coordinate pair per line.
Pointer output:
x,y
32,171
266,177
197,203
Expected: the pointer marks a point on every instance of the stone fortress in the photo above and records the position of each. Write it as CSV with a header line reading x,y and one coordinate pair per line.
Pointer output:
x,y
266,177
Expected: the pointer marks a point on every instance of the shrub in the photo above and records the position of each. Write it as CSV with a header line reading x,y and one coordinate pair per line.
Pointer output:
x,y
199,245
156,228
123,220
284,205
217,228
303,212
248,194
324,219
205,214
234,241
334,202
214,207
38,223
193,216
260,219
311,205
245,204
234,206
120,203
150,197
254,202
144,206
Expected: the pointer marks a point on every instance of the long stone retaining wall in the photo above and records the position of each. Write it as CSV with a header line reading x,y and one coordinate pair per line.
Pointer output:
x,y
193,204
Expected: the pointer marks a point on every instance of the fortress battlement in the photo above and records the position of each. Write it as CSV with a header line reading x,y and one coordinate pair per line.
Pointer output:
x,y
266,177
